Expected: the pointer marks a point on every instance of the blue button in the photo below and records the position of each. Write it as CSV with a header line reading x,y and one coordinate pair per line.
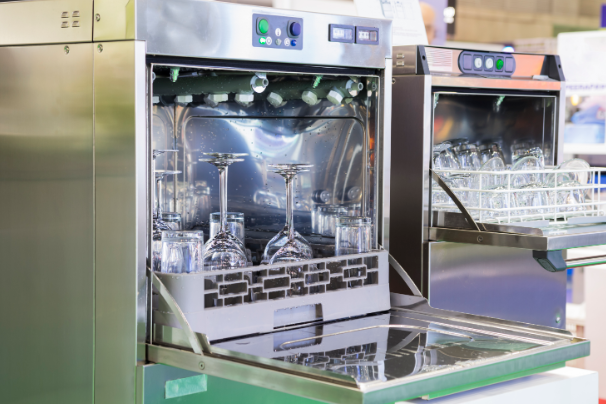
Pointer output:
x,y
295,29
293,42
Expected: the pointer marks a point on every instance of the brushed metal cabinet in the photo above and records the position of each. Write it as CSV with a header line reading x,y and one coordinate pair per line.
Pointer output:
x,y
46,230
120,217
499,282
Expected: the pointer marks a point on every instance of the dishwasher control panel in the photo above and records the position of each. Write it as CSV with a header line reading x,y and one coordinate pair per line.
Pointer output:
x,y
273,31
487,63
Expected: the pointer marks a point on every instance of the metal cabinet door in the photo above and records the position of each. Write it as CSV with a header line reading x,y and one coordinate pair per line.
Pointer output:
x,y
46,230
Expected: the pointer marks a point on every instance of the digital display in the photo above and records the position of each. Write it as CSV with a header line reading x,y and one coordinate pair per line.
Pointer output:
x,y
367,35
342,33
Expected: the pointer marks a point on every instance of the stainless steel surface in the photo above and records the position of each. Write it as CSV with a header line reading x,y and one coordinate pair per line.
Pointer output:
x,y
411,145
384,139
116,20
120,217
445,219
224,31
387,360
404,60
495,281
553,238
45,22
46,233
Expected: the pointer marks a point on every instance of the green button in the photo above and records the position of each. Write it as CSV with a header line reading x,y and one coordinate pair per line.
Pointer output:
x,y
500,64
263,26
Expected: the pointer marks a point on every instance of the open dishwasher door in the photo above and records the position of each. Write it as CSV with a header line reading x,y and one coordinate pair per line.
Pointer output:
x,y
409,351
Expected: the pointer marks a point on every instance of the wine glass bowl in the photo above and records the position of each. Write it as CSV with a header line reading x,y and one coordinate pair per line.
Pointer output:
x,y
288,245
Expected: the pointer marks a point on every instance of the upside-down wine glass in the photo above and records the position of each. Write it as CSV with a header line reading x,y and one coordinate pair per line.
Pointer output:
x,y
288,235
295,247
224,250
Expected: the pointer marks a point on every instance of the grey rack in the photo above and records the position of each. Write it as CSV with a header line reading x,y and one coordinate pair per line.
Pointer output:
x,y
257,299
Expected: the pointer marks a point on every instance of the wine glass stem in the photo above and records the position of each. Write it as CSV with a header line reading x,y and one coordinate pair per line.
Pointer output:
x,y
223,196
290,199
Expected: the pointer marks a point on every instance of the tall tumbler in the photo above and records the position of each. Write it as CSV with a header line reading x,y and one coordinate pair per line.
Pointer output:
x,y
182,251
235,224
353,235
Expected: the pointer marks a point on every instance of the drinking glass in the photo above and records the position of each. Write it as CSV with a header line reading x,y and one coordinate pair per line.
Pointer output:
x,y
324,220
494,164
469,159
490,150
329,219
288,245
532,195
572,197
527,163
581,177
182,251
519,150
235,223
353,235
224,250
494,200
161,221
444,158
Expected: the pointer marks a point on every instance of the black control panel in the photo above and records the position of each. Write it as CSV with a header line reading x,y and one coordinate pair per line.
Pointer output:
x,y
487,63
273,31
352,34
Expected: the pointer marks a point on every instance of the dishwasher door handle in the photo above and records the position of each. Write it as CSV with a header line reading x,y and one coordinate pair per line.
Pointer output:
x,y
553,260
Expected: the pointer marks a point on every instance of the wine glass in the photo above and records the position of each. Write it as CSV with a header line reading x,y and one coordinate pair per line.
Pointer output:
x,y
224,250
298,242
295,247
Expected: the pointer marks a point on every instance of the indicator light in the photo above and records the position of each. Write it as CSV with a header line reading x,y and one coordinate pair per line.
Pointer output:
x,y
262,40
263,26
477,62
500,64
489,63
293,42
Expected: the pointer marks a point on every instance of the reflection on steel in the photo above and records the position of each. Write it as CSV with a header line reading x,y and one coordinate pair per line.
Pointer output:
x,y
334,139
379,326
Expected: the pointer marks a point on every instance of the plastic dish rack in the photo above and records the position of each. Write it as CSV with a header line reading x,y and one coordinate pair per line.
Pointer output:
x,y
258,299
474,197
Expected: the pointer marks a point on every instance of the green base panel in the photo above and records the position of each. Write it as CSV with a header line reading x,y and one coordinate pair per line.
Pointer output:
x,y
157,378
